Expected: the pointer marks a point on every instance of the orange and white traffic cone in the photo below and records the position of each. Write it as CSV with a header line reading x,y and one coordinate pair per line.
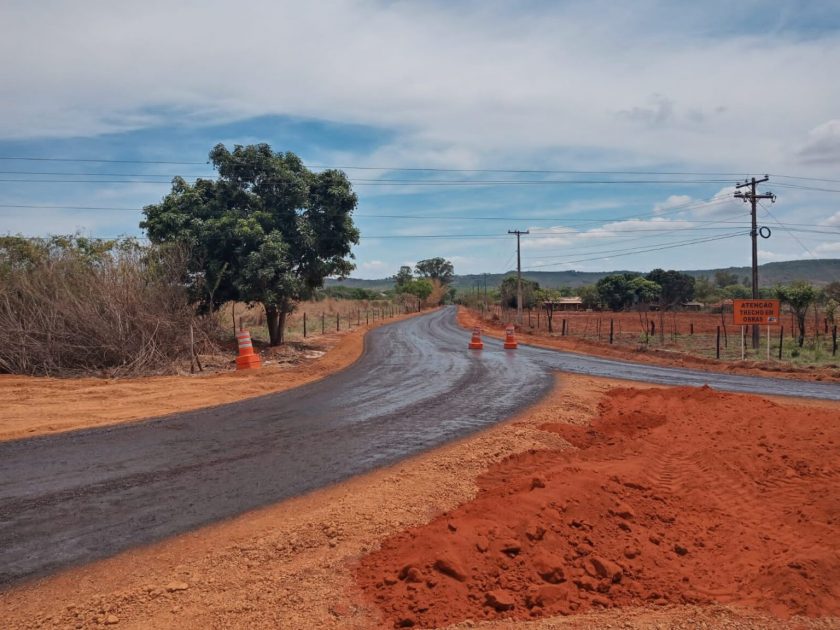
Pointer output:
x,y
510,340
247,359
475,342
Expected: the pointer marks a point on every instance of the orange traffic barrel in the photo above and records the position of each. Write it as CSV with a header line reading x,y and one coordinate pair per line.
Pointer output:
x,y
247,358
475,342
510,340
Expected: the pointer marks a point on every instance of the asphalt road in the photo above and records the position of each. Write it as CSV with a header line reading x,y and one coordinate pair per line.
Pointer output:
x,y
79,496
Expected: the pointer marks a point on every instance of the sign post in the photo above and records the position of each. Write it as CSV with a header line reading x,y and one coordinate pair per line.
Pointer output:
x,y
742,342
756,312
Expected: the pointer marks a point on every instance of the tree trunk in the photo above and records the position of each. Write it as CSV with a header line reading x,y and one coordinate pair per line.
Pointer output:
x,y
272,320
281,328
275,319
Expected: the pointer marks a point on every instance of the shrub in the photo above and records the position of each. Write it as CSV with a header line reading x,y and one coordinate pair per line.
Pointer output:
x,y
71,305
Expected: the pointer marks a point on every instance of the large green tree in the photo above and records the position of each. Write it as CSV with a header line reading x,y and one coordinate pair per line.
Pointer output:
x,y
832,291
436,269
704,289
507,292
725,278
676,287
589,296
267,230
403,278
644,291
799,296
419,287
616,291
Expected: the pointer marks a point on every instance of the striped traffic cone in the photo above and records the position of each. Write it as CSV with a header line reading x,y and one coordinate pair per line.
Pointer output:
x,y
247,359
475,342
510,340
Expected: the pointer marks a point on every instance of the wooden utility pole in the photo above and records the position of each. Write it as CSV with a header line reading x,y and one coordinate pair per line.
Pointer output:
x,y
518,275
753,198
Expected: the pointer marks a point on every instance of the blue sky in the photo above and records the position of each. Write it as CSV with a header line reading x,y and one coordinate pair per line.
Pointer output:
x,y
618,91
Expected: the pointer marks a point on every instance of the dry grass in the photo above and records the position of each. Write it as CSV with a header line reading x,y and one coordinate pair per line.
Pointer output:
x,y
121,312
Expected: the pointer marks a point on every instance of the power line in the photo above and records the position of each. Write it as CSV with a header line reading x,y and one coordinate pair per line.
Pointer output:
x,y
809,179
97,161
588,248
411,182
810,188
83,181
88,174
644,250
730,174
772,216
673,210
386,168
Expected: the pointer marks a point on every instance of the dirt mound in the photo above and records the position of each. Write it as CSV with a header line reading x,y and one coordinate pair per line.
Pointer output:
x,y
673,496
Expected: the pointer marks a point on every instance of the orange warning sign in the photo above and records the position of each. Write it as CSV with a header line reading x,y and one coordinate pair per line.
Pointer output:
x,y
755,311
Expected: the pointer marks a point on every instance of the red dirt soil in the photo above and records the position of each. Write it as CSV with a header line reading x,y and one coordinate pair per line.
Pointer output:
x,y
672,496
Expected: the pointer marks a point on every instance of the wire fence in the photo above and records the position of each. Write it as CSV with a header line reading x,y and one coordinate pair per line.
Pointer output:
x,y
698,333
313,319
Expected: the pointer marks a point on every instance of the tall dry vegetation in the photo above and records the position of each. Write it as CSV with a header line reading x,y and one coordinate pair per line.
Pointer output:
x,y
71,305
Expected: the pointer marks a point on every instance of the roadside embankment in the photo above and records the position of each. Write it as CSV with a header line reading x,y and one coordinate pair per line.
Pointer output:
x,y
41,405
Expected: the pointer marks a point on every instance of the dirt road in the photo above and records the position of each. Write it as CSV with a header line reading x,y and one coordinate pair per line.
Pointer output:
x,y
80,496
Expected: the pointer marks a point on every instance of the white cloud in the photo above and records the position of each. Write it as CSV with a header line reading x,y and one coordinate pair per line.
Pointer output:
x,y
674,201
765,256
828,249
463,87
823,144
373,267
548,237
833,220
657,225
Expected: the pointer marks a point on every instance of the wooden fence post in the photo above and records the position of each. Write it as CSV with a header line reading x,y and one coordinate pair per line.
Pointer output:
x,y
611,330
717,343
323,323
304,324
781,340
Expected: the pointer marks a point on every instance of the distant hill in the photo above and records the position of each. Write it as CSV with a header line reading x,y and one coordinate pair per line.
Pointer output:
x,y
818,272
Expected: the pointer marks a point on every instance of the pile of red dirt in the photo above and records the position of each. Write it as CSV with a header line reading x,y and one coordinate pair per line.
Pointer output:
x,y
672,496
